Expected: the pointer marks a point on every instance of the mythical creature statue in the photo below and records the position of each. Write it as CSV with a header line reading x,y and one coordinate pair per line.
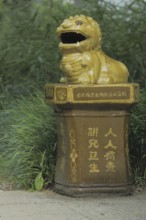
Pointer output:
x,y
83,60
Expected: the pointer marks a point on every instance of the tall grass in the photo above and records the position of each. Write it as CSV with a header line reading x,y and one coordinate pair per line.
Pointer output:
x,y
138,139
28,146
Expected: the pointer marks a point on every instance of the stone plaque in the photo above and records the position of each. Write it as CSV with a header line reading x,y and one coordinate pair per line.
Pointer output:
x,y
101,93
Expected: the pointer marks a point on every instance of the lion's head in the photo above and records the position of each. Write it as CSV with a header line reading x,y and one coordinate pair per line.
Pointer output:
x,y
79,33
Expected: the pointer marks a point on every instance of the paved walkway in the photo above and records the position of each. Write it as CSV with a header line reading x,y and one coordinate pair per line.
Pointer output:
x,y
47,205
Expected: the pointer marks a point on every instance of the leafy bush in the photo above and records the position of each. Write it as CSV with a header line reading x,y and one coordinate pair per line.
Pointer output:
x,y
28,147
29,55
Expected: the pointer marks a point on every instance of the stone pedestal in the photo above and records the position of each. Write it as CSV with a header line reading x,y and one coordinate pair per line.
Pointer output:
x,y
92,124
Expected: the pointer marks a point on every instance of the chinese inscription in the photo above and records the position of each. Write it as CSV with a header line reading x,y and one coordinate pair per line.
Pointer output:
x,y
110,154
73,155
110,148
62,143
93,149
101,94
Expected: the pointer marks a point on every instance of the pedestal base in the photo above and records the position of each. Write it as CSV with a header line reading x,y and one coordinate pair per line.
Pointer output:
x,y
93,190
92,152
92,124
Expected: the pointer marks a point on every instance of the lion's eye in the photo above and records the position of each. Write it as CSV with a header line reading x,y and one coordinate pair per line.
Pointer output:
x,y
79,22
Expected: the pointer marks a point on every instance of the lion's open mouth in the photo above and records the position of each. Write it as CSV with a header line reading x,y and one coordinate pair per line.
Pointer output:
x,y
72,37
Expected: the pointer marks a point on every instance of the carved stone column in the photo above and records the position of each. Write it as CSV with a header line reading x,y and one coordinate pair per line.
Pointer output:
x,y
92,122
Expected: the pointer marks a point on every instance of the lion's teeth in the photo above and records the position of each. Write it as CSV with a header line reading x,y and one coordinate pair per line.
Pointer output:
x,y
78,44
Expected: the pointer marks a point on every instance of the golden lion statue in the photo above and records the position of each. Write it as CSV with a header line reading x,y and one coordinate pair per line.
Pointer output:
x,y
83,60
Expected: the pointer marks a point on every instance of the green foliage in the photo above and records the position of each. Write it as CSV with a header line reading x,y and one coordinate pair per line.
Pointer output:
x,y
25,58
28,144
39,182
138,138
29,55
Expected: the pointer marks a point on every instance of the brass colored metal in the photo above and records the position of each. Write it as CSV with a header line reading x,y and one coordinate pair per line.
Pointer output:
x,y
83,60
122,94
92,123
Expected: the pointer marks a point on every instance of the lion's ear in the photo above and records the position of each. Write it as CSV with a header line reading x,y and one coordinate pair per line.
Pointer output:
x,y
90,19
